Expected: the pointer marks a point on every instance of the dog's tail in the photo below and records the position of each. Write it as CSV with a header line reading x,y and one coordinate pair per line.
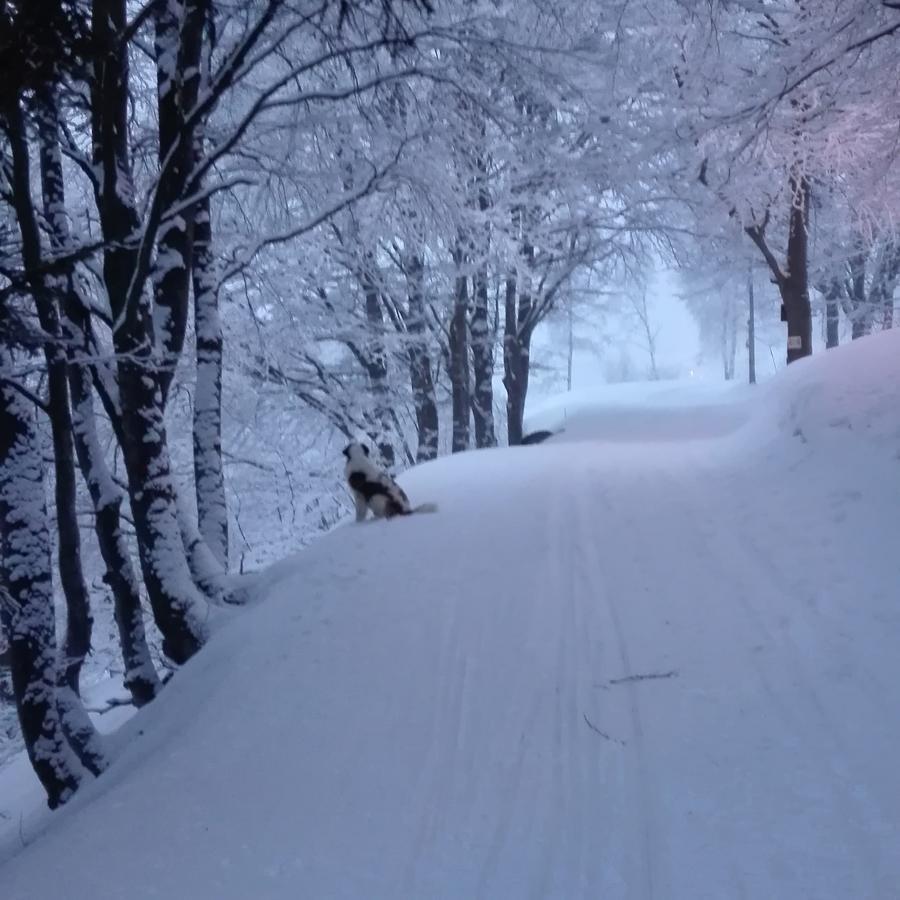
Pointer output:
x,y
425,508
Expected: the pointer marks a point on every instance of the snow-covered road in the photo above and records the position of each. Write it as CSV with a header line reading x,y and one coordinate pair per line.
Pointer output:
x,y
656,665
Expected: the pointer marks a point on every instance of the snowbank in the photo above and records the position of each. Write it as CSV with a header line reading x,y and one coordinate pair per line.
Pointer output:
x,y
853,389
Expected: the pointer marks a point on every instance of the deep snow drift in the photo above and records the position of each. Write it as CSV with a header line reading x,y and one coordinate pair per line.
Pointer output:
x,y
653,657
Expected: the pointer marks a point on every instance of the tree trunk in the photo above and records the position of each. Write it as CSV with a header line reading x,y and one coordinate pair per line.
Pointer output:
x,y
140,675
887,321
885,282
517,330
729,340
859,324
206,571
79,621
74,721
178,44
795,285
209,473
832,314
751,328
26,599
516,358
377,367
482,362
482,335
177,607
6,689
421,380
134,409
860,309
459,363
863,304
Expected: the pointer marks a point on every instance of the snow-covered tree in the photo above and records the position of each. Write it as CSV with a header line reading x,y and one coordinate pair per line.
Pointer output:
x,y
785,103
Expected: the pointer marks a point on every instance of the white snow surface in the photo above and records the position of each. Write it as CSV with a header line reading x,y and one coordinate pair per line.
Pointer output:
x,y
653,657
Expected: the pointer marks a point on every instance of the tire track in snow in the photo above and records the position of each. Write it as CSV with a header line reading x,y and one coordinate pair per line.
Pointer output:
x,y
571,786
434,784
643,886
820,730
553,816
737,561
818,638
615,766
529,806
584,785
741,545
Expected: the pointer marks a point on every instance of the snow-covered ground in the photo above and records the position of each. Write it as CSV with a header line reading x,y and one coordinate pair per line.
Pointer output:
x,y
653,657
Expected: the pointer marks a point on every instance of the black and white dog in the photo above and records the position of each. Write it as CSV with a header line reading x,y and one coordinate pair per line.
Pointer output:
x,y
373,489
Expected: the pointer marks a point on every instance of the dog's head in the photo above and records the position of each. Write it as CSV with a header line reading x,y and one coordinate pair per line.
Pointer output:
x,y
355,450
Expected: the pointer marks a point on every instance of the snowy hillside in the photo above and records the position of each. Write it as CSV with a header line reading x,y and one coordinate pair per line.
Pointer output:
x,y
653,657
